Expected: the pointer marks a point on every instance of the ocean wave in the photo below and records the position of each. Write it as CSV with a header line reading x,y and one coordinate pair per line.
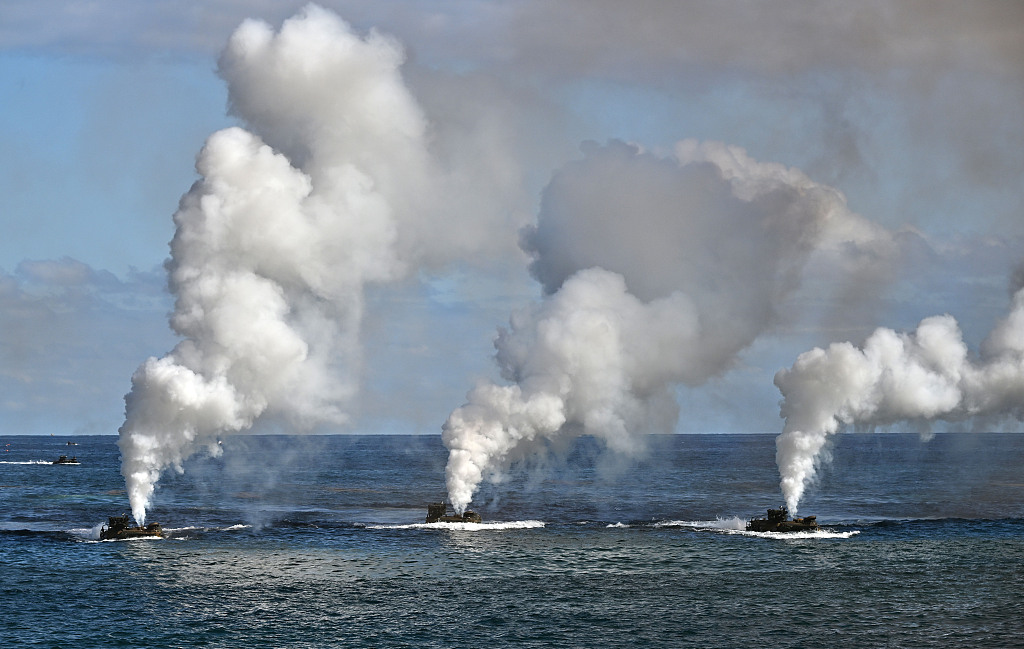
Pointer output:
x,y
469,527
28,529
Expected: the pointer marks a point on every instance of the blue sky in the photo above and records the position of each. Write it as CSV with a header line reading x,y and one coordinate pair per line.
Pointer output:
x,y
914,111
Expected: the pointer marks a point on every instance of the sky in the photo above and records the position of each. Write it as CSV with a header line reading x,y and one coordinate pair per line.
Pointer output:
x,y
762,178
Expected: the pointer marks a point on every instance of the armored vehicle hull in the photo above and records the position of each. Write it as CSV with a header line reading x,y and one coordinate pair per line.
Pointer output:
x,y
64,459
778,521
120,528
438,513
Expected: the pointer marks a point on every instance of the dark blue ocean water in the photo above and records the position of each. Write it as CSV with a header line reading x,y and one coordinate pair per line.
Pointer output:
x,y
316,542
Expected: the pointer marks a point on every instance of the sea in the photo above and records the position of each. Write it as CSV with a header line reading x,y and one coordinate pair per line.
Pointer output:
x,y
292,541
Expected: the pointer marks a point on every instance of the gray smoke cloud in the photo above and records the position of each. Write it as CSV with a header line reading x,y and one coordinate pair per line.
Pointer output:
x,y
341,179
657,271
331,188
922,376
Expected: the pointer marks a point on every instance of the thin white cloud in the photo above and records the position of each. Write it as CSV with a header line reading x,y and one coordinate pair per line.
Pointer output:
x,y
69,337
572,37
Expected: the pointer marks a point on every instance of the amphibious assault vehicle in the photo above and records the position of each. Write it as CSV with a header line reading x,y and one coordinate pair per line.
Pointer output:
x,y
778,521
120,527
64,459
438,513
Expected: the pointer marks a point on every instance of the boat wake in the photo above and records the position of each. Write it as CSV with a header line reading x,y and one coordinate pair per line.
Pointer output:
x,y
737,525
176,533
469,527
26,462
822,533
92,535
719,524
182,533
87,533
133,539
734,524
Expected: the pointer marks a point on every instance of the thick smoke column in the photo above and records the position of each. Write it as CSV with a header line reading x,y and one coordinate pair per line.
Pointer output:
x,y
921,376
656,271
276,241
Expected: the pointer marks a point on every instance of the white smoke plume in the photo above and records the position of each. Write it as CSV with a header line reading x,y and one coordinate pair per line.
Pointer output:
x,y
277,240
921,377
657,271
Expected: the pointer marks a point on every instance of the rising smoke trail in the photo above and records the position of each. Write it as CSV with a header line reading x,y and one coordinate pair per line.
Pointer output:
x,y
276,241
657,271
921,377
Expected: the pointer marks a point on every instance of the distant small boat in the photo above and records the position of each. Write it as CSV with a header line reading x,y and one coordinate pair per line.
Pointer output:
x,y
64,459
72,443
